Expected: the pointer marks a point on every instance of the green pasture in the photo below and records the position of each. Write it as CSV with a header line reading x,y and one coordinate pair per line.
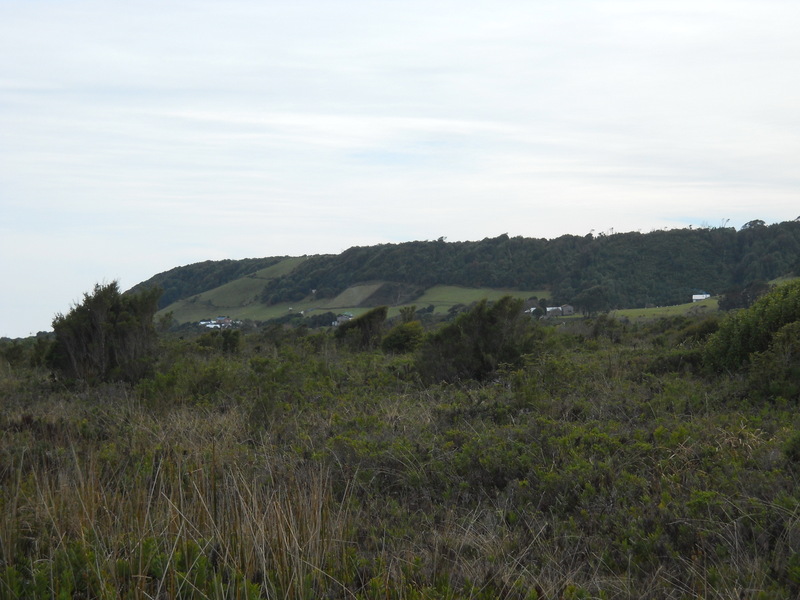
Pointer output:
x,y
350,298
709,305
239,299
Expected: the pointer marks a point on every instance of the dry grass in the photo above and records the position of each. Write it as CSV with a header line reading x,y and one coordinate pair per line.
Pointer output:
x,y
187,482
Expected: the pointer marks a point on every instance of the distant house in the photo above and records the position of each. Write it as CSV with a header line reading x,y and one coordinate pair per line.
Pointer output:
x,y
218,323
700,296
343,318
560,311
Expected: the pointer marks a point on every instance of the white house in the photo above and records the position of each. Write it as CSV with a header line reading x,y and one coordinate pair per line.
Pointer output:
x,y
700,296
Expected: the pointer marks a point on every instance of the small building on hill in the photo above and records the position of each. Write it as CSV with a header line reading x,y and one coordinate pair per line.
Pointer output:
x,y
700,296
221,322
342,318
564,310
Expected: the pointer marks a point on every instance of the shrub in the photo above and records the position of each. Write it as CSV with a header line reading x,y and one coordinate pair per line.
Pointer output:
x,y
792,449
109,336
776,371
477,342
405,337
364,331
751,330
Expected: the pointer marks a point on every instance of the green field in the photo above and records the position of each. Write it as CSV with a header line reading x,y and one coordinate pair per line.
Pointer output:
x,y
443,297
691,308
239,299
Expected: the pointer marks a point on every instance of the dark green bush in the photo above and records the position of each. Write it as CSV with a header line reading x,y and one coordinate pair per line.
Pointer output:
x,y
109,336
405,337
477,342
751,330
364,331
776,371
792,449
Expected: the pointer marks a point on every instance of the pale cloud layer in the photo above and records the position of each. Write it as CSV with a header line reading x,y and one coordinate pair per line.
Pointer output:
x,y
139,136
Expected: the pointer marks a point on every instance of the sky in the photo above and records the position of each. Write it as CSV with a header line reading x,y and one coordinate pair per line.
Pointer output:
x,y
137,136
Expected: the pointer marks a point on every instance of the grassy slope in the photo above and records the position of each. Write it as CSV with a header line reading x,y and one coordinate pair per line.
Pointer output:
x,y
239,299
351,297
690,308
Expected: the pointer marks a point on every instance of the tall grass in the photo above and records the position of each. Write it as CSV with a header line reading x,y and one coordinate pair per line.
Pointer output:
x,y
181,506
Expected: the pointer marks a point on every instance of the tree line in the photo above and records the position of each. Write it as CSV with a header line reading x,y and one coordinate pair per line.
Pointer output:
x,y
621,270
595,272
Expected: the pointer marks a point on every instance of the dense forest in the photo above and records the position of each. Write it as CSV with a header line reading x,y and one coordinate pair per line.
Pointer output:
x,y
626,269
489,455
598,272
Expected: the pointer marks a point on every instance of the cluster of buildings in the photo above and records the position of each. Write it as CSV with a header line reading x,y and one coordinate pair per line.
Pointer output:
x,y
564,310
219,323
342,318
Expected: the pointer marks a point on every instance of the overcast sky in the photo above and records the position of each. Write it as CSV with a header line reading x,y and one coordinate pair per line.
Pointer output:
x,y
136,136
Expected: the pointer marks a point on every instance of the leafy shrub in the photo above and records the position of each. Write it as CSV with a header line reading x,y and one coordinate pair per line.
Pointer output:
x,y
776,371
699,331
477,342
364,331
748,331
228,341
405,337
792,449
109,336
676,360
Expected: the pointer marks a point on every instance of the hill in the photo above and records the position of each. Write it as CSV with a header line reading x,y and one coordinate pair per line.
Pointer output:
x,y
593,272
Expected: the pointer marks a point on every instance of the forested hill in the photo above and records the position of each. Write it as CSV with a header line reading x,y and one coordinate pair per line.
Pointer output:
x,y
184,282
607,270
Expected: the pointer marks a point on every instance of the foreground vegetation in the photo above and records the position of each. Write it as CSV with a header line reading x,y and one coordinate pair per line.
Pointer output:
x,y
490,457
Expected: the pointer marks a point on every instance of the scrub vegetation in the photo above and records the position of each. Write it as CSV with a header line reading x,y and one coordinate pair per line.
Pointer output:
x,y
490,455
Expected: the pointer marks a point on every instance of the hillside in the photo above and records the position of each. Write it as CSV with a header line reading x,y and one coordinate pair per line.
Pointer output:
x,y
593,272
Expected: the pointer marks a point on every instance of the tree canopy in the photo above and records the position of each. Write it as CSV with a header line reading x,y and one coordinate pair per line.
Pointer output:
x,y
630,269
477,342
108,336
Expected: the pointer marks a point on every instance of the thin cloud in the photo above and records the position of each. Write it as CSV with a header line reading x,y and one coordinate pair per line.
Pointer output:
x,y
142,135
